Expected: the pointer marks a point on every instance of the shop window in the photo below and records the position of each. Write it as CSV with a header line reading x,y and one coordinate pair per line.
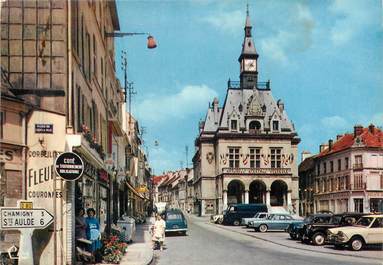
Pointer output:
x,y
255,157
376,205
358,205
275,157
234,157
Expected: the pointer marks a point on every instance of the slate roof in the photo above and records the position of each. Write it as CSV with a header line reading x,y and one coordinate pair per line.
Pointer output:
x,y
245,97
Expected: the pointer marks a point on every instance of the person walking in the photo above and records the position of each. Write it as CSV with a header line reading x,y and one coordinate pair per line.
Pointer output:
x,y
158,232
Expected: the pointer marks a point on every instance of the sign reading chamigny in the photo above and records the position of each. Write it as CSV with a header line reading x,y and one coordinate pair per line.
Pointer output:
x,y
69,166
14,218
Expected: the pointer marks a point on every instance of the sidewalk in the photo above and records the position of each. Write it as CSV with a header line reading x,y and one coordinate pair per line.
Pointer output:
x,y
140,252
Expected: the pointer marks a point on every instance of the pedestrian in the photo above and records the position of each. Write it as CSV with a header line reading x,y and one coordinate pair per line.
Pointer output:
x,y
80,224
158,232
93,230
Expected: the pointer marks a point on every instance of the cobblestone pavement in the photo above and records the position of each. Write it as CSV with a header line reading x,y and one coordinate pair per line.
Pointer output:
x,y
213,244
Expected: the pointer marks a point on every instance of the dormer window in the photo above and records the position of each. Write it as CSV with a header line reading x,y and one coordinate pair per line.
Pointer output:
x,y
254,127
234,125
275,125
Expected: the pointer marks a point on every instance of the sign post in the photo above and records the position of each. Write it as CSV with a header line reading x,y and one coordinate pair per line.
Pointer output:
x,y
69,166
25,219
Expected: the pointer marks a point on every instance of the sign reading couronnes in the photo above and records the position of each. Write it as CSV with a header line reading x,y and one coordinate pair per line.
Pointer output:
x,y
69,166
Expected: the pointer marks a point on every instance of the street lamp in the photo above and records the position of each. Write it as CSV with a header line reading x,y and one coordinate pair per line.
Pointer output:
x,y
151,43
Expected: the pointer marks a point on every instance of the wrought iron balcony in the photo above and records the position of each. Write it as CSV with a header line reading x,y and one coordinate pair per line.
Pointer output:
x,y
237,85
358,166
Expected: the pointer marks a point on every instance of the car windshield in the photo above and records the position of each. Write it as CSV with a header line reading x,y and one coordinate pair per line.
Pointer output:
x,y
308,219
174,216
364,221
335,219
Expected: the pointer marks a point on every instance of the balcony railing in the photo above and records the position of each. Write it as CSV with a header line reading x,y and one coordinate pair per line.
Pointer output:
x,y
237,85
357,166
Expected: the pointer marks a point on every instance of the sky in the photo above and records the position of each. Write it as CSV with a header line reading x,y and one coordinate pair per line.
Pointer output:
x,y
324,60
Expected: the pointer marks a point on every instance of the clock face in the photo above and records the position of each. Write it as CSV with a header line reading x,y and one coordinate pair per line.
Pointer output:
x,y
250,65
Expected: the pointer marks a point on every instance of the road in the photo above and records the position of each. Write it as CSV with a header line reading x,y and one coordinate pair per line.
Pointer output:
x,y
212,244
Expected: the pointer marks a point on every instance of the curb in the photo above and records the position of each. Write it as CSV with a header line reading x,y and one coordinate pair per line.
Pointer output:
x,y
280,244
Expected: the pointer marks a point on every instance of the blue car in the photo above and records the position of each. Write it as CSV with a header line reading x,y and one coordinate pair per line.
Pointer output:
x,y
175,221
274,222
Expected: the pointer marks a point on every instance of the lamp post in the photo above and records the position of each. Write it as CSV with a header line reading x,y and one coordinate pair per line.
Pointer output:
x,y
151,42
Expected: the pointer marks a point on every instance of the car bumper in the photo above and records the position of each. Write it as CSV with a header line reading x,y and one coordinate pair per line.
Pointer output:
x,y
176,230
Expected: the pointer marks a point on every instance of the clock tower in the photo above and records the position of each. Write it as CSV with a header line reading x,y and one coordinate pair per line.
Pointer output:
x,y
248,58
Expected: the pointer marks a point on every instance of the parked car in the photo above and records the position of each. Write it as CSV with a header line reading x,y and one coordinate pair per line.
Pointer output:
x,y
368,230
296,231
236,212
273,222
175,221
217,218
247,221
317,233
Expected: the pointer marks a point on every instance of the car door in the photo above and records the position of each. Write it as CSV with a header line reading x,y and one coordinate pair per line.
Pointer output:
x,y
375,232
275,222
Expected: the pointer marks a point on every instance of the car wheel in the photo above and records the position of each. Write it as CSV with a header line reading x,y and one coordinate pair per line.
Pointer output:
x,y
356,243
293,236
319,239
236,222
263,228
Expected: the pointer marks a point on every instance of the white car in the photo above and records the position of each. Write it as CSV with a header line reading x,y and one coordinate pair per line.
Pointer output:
x,y
368,230
262,215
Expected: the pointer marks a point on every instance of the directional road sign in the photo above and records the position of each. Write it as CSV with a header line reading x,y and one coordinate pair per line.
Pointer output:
x,y
16,218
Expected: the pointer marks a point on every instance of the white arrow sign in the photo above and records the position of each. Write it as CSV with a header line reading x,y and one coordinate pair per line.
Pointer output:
x,y
15,218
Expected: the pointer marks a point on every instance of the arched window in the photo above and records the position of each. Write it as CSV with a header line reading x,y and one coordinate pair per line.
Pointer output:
x,y
254,127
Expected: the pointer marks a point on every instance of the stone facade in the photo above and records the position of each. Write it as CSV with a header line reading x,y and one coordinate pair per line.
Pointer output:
x,y
349,173
246,149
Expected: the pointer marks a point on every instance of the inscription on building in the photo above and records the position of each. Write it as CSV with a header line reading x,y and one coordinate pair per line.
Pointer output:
x,y
257,170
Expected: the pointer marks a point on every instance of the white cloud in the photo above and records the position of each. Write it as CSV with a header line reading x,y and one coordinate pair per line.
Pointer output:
x,y
352,16
226,21
191,99
297,35
334,123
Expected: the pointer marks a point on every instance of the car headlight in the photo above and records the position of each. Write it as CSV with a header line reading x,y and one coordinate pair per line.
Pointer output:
x,y
342,236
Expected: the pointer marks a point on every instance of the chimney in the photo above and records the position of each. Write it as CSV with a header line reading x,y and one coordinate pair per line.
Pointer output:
x,y
322,147
305,154
330,141
358,129
339,136
371,128
281,105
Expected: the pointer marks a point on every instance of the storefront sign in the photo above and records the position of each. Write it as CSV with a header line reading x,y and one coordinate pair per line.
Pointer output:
x,y
43,128
257,170
103,175
14,218
89,169
69,166
6,155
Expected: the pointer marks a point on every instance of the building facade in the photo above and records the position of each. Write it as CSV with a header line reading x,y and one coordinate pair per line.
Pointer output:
x,y
349,172
58,61
246,150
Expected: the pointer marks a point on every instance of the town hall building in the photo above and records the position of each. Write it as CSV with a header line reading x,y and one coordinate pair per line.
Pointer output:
x,y
246,151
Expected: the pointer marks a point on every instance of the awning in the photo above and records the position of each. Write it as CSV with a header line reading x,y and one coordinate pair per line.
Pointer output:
x,y
133,190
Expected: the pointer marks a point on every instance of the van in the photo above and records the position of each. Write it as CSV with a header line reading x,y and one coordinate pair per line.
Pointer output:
x,y
236,212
